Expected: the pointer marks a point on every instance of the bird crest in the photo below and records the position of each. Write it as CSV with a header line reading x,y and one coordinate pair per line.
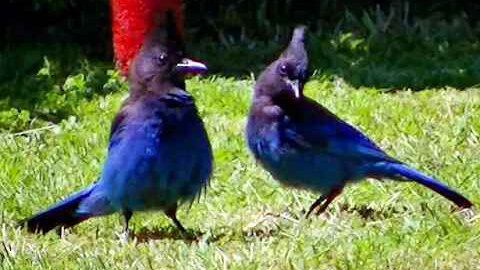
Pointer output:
x,y
296,49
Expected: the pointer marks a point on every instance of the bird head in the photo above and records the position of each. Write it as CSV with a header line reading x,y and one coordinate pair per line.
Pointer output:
x,y
287,75
162,58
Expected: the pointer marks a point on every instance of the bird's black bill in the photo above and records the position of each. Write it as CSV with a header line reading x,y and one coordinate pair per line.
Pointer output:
x,y
189,67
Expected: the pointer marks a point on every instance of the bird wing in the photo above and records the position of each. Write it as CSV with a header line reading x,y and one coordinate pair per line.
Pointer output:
x,y
118,125
323,131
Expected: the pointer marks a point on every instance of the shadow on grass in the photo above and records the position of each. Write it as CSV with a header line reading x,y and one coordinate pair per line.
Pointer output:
x,y
393,63
369,213
172,233
146,235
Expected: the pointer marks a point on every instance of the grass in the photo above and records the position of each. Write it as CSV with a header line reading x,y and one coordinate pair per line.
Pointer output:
x,y
57,105
248,221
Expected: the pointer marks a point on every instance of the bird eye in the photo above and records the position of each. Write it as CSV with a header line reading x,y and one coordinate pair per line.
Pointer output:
x,y
284,70
162,59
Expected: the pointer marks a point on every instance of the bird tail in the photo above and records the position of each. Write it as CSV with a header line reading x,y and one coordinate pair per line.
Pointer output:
x,y
63,214
400,171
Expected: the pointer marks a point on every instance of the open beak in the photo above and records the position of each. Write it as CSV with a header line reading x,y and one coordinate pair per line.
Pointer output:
x,y
189,67
295,85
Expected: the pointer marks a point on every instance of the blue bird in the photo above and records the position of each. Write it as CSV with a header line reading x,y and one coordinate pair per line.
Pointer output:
x,y
159,155
304,145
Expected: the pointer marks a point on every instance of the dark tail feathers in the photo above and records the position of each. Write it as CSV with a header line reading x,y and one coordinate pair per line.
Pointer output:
x,y
399,171
62,214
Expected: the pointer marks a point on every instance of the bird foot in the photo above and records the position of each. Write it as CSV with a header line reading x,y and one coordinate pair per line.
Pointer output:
x,y
123,237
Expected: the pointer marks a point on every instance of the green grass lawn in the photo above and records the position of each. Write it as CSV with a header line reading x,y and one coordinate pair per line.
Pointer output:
x,y
247,220
56,106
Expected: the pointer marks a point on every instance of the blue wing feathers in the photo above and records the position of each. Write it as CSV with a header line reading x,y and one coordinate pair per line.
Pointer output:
x,y
322,131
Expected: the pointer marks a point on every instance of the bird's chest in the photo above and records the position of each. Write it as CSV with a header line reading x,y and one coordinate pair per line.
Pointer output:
x,y
271,145
171,139
160,160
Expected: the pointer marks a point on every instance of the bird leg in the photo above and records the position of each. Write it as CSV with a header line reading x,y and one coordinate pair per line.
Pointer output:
x,y
314,205
330,197
324,200
172,214
127,214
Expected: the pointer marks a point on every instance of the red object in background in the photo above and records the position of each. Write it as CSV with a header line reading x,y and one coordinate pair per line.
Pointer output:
x,y
131,22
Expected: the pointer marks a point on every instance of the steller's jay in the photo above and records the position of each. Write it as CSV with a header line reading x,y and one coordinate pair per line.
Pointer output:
x,y
304,145
159,154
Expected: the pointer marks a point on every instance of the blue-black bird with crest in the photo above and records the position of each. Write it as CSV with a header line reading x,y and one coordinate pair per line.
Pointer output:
x,y
304,145
159,154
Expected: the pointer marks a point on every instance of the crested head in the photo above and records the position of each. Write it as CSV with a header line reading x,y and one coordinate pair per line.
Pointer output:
x,y
165,33
133,20
287,75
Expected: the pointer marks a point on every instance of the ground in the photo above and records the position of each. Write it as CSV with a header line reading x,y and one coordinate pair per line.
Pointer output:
x,y
413,90
247,220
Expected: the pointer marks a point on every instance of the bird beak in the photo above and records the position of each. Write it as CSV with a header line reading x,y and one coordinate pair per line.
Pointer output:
x,y
295,85
190,67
